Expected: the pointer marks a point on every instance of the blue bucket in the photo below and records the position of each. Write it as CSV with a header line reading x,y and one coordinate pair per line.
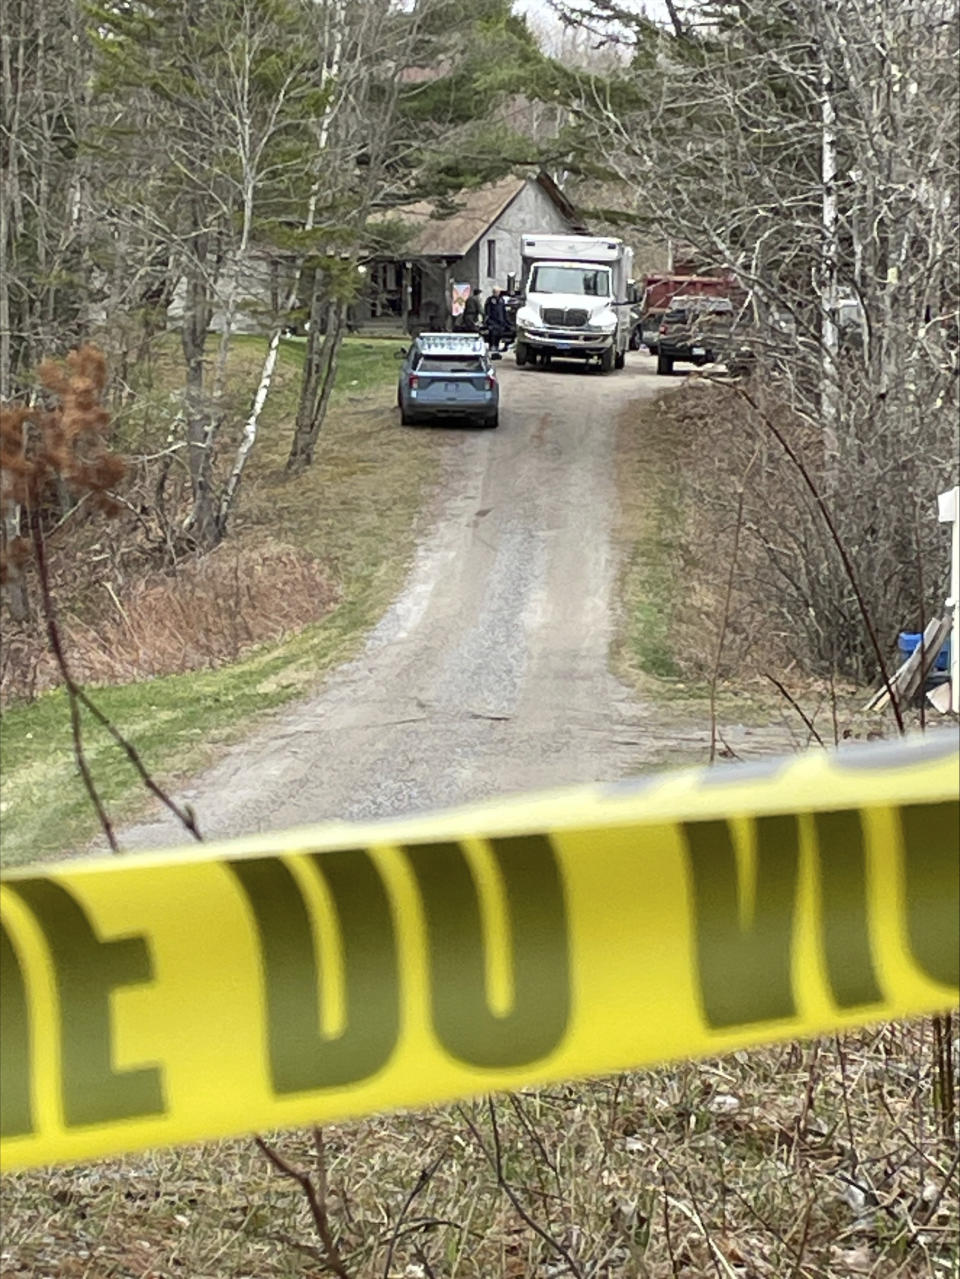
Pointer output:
x,y
907,641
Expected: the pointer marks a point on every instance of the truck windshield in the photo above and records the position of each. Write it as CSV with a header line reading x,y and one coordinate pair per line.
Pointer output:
x,y
588,281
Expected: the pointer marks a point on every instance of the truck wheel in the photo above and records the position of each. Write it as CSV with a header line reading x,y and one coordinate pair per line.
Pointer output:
x,y
405,417
521,354
620,359
607,360
664,364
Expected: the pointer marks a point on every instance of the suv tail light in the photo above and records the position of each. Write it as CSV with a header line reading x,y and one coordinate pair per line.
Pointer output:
x,y
663,328
491,381
413,381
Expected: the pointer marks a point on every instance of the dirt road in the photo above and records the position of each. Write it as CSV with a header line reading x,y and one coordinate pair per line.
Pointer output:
x,y
490,672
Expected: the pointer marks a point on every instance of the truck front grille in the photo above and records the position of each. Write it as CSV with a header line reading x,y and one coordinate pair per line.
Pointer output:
x,y
574,318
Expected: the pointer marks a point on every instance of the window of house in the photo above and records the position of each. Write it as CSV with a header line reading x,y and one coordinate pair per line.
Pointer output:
x,y
491,259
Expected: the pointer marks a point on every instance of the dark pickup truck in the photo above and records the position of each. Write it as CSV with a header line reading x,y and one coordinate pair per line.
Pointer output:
x,y
696,330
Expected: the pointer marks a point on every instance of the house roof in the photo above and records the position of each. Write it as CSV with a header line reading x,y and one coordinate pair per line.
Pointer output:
x,y
453,235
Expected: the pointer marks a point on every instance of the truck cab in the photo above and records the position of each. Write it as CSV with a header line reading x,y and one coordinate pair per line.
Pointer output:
x,y
576,303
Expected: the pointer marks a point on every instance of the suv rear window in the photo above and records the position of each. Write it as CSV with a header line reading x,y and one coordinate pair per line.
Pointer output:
x,y
450,364
675,317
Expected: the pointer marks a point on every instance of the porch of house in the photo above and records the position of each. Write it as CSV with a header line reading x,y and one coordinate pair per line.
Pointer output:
x,y
404,297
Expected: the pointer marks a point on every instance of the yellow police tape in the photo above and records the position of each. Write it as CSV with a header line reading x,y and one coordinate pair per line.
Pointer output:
x,y
345,970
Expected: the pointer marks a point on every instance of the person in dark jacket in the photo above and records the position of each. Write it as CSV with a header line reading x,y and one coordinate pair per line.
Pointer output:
x,y
495,319
470,320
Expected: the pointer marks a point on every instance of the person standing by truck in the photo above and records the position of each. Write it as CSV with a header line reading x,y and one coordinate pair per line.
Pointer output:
x,y
495,319
470,319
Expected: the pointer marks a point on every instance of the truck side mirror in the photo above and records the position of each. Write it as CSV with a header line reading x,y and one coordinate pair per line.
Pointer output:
x,y
511,283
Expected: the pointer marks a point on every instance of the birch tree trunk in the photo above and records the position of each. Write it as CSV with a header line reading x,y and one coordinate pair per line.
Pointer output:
x,y
251,154
249,436
334,33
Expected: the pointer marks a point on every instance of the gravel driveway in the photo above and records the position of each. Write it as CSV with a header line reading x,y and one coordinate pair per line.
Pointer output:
x,y
489,674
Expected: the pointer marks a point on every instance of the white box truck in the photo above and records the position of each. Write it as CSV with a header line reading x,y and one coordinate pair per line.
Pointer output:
x,y
575,300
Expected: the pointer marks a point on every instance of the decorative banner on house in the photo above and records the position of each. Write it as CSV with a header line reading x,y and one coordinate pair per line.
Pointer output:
x,y
458,299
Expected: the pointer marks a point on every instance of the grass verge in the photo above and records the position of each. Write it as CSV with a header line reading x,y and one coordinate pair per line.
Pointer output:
x,y
816,1161
650,529
676,532
355,510
666,627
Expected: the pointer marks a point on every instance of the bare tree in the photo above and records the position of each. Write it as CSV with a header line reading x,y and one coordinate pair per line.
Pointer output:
x,y
46,283
45,223
227,101
813,150
366,143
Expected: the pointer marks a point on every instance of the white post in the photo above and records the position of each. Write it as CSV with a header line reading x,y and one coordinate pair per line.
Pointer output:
x,y
949,510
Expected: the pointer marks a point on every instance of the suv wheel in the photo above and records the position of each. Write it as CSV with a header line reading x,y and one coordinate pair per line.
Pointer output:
x,y
607,360
521,354
664,364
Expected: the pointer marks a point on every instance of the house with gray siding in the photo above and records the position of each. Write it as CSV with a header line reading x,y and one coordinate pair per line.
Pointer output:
x,y
476,242
471,238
